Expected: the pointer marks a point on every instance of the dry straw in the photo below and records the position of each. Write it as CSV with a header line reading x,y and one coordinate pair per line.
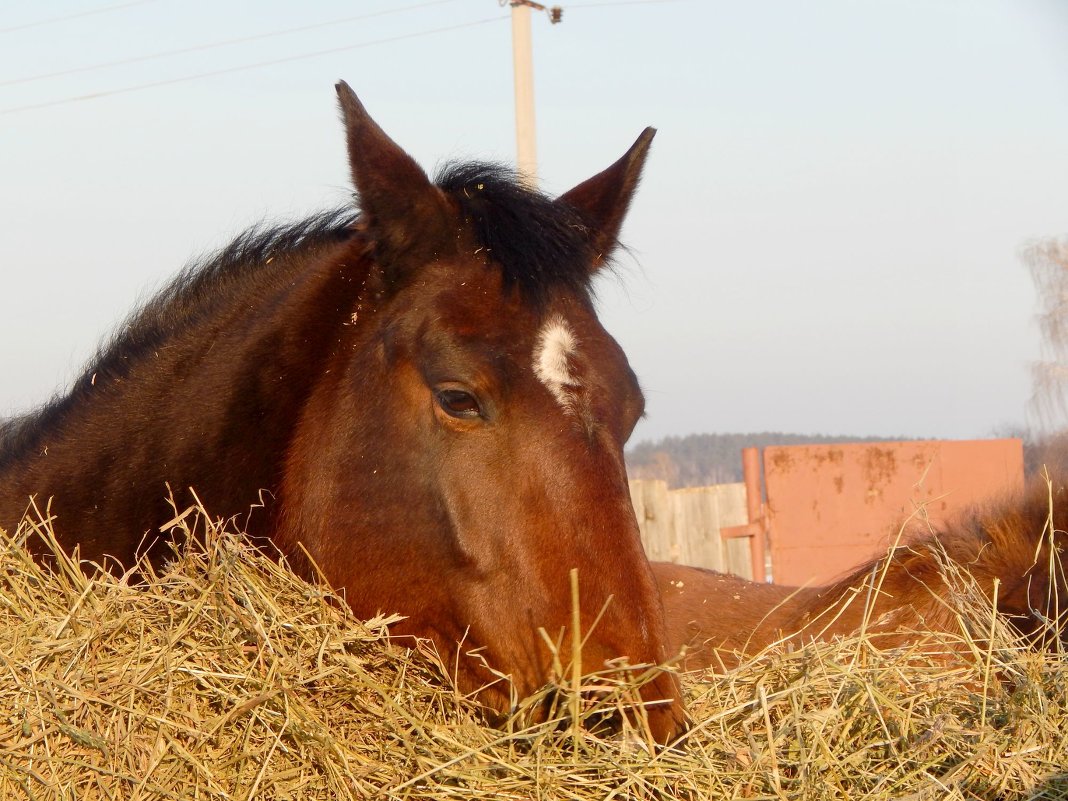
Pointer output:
x,y
226,677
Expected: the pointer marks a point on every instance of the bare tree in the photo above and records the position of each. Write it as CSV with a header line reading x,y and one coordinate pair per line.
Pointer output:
x,y
1048,262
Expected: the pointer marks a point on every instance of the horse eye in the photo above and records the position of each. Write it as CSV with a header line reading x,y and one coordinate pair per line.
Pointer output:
x,y
457,403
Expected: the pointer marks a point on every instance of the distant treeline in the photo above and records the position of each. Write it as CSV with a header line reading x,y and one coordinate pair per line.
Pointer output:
x,y
699,460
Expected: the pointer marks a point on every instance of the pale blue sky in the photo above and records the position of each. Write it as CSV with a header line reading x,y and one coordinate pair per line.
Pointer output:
x,y
827,239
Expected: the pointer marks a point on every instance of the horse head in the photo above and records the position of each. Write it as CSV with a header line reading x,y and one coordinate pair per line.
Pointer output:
x,y
463,453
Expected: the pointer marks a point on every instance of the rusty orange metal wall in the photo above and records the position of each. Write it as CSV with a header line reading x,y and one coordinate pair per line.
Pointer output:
x,y
832,507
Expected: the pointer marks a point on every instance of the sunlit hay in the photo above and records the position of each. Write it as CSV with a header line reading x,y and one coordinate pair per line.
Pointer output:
x,y
222,673
973,710
224,676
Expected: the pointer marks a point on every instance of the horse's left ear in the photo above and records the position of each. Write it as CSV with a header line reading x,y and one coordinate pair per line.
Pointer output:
x,y
603,199
404,211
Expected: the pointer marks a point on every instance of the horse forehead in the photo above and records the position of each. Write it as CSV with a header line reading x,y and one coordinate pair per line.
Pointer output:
x,y
479,311
473,304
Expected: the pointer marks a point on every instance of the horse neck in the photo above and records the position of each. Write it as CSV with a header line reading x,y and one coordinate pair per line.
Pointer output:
x,y
1006,544
210,406
1022,546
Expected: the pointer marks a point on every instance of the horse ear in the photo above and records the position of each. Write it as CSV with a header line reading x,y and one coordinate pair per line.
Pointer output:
x,y
403,210
603,199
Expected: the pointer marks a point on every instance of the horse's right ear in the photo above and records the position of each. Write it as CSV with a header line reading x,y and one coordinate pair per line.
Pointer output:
x,y
404,212
603,200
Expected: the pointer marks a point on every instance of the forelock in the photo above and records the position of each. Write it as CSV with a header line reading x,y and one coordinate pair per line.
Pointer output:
x,y
540,244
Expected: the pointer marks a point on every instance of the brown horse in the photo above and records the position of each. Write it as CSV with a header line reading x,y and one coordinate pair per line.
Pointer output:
x,y
420,396
1017,543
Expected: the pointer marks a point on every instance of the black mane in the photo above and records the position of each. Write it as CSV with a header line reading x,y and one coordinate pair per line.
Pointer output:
x,y
539,243
200,288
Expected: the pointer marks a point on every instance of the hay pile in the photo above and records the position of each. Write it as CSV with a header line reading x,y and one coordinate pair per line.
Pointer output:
x,y
225,677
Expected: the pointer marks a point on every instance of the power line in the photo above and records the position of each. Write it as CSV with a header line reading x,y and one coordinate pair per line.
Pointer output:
x,y
66,17
622,3
223,43
212,73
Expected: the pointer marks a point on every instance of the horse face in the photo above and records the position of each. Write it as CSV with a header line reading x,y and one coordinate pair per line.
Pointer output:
x,y
465,451
515,420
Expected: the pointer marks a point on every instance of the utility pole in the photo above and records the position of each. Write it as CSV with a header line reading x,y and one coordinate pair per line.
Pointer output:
x,y
523,61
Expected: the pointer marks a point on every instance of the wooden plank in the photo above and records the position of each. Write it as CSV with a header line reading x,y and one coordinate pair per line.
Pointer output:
x,y
655,519
731,510
683,526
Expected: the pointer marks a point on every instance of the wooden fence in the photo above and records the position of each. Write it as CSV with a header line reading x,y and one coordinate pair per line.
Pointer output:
x,y
683,525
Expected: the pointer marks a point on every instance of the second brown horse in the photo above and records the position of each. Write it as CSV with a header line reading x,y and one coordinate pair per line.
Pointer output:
x,y
1015,545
